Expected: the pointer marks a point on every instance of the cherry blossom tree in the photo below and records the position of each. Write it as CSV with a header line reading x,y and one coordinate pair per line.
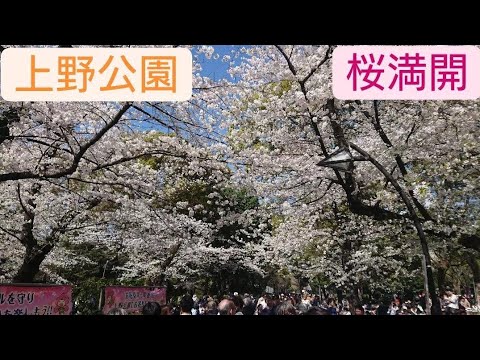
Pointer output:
x,y
92,173
88,154
284,121
196,226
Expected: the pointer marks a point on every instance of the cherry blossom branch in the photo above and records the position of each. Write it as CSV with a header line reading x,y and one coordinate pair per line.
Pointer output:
x,y
76,159
349,184
85,226
289,62
312,122
398,159
10,233
323,61
324,193
135,157
130,187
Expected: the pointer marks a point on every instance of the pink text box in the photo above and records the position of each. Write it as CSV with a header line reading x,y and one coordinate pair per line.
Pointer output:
x,y
378,65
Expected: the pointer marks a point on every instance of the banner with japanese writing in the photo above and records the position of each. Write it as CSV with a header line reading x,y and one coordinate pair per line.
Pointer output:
x,y
35,300
132,298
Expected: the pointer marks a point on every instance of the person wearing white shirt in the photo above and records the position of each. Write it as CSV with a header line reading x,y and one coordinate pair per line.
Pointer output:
x,y
451,302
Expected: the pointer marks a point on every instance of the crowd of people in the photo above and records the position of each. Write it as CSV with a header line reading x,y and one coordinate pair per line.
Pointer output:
x,y
300,304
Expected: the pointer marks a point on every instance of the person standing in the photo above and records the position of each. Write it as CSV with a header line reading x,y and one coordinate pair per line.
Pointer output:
x,y
451,302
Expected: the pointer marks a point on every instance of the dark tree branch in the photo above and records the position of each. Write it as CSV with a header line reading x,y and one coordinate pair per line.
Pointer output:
x,y
324,193
349,185
398,159
470,241
27,212
290,65
10,233
412,130
416,221
110,184
139,156
323,61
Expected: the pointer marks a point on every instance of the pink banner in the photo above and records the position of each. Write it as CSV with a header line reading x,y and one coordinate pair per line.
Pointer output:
x,y
132,298
35,300
406,72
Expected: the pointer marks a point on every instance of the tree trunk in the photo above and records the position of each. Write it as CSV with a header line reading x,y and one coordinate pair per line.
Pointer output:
x,y
324,293
31,264
339,295
441,275
473,263
359,294
436,309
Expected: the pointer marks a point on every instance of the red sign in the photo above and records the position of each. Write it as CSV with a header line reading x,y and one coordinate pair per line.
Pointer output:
x,y
35,300
132,298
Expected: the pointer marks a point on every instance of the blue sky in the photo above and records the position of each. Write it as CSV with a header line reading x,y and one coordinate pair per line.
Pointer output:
x,y
213,68
217,69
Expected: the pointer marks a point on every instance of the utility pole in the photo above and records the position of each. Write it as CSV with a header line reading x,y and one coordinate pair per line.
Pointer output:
x,y
104,269
427,294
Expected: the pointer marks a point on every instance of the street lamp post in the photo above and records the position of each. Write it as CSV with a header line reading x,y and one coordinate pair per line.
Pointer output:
x,y
341,160
425,279
104,269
